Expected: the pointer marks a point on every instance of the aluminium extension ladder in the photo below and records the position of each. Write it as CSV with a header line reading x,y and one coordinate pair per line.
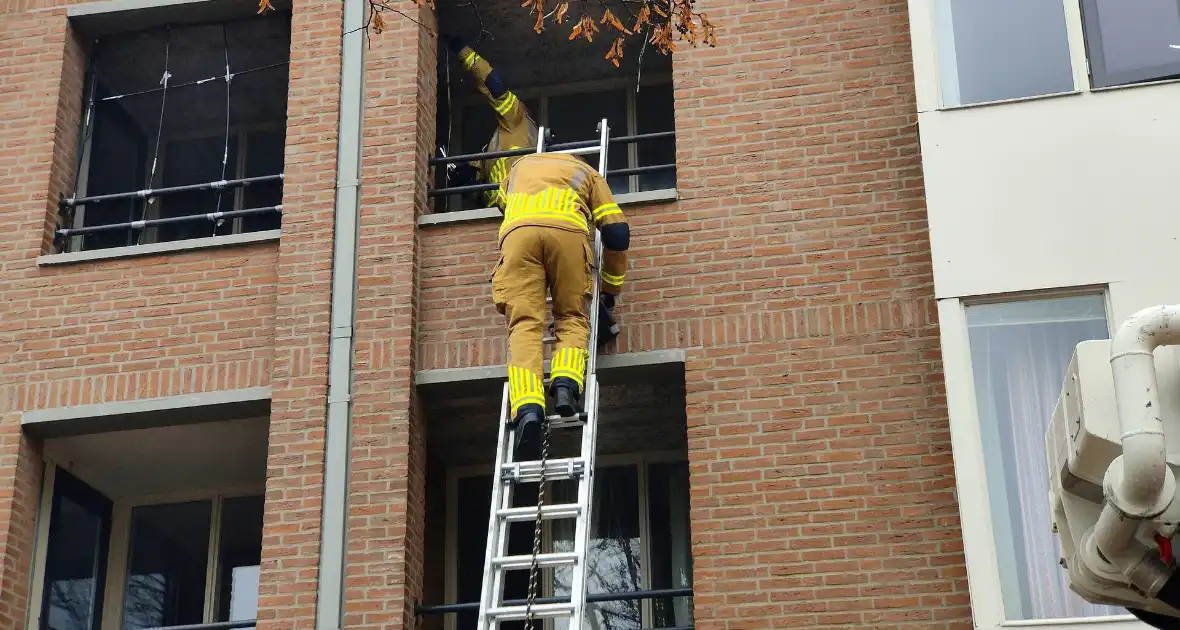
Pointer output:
x,y
493,609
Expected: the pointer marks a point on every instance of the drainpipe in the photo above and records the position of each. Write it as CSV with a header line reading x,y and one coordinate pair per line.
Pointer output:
x,y
1138,484
338,436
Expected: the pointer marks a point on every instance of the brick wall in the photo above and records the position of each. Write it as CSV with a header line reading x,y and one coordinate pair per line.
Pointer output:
x,y
796,269
128,329
387,492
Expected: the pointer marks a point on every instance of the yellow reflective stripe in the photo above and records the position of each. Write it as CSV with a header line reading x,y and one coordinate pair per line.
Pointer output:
x,y
469,60
505,104
524,387
570,363
605,210
545,215
613,280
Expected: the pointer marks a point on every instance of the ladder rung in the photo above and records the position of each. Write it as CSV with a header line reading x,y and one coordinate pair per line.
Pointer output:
x,y
556,420
540,611
555,470
543,560
581,151
548,339
549,512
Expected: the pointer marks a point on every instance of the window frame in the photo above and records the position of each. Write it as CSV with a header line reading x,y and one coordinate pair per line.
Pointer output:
x,y
546,92
149,236
640,460
976,524
928,43
119,545
118,541
1099,77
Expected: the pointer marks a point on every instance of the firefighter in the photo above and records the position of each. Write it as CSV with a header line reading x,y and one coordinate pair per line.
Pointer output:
x,y
515,128
552,203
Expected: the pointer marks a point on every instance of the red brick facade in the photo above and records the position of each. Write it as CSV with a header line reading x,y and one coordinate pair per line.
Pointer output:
x,y
794,270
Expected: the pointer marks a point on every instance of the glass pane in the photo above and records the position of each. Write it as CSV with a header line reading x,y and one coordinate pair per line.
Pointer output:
x,y
116,163
475,498
653,113
75,557
169,553
1019,354
671,552
575,117
264,156
613,558
196,161
1131,40
239,558
992,50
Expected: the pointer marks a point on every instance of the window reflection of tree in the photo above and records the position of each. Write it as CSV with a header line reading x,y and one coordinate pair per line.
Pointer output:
x,y
71,603
612,562
143,603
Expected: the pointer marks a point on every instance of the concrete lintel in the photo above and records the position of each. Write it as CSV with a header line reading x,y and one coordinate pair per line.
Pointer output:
x,y
159,248
612,369
149,412
109,17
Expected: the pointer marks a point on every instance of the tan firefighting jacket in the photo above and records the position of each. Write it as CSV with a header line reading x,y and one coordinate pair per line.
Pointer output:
x,y
515,128
561,191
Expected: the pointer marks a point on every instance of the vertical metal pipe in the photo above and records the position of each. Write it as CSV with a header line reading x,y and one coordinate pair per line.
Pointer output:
x,y
338,437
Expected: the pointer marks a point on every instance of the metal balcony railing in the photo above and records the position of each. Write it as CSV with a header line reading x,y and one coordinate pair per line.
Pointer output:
x,y
568,146
443,609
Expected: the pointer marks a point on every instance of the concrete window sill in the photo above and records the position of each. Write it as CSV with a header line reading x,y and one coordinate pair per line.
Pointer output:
x,y
485,214
158,248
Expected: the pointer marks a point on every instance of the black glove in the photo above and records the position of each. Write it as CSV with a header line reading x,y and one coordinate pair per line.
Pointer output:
x,y
607,328
464,174
454,43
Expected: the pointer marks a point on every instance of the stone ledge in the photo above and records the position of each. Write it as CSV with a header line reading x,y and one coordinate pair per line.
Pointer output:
x,y
149,412
158,248
612,369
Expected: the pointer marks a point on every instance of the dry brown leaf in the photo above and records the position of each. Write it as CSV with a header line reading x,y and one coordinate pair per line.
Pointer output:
x,y
562,9
644,17
378,23
609,18
616,52
584,28
264,6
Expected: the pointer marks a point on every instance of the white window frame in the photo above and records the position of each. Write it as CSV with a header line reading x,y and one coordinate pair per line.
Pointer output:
x,y
931,65
640,460
119,541
544,93
979,547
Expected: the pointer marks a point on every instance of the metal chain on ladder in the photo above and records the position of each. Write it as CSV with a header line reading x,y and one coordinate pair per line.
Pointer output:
x,y
534,570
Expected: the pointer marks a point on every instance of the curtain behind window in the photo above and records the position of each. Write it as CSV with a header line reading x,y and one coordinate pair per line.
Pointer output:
x,y
1019,354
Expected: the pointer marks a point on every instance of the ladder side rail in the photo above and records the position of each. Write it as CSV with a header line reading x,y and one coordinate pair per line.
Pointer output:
x,y
585,521
490,597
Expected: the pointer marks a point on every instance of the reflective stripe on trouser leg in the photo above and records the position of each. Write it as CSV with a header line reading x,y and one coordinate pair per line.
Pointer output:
x,y
570,363
524,387
519,284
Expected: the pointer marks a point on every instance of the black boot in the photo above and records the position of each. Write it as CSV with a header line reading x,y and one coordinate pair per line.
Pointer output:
x,y
527,446
565,397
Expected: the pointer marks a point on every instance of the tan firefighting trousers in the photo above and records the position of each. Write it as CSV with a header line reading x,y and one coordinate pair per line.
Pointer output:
x,y
533,259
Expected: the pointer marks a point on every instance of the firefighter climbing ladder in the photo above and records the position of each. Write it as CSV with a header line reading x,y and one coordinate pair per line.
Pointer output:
x,y
492,607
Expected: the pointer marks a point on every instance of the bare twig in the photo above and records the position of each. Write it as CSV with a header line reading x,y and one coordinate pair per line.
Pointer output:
x,y
386,7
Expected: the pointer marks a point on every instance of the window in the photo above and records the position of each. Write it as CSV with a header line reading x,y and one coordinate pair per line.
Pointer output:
x,y
993,50
1019,354
75,561
167,579
640,541
572,114
161,114
1132,41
